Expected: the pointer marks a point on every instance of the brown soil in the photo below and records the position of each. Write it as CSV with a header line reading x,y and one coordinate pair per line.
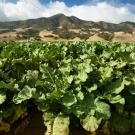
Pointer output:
x,y
36,127
123,37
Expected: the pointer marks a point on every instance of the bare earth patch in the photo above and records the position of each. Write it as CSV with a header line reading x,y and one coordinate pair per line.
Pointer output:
x,y
95,38
123,37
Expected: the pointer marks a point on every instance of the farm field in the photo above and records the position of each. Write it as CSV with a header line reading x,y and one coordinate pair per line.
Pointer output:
x,y
72,88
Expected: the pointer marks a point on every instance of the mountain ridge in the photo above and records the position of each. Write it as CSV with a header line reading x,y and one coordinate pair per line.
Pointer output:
x,y
66,27
56,20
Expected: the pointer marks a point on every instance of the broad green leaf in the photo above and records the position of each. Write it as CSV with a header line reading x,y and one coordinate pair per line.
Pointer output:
x,y
70,79
55,94
66,69
87,106
106,73
80,96
8,86
131,89
117,86
2,97
1,64
25,94
87,66
69,99
113,99
3,85
83,56
90,123
113,63
93,88
48,118
103,110
106,54
61,125
121,65
56,123
82,76
32,75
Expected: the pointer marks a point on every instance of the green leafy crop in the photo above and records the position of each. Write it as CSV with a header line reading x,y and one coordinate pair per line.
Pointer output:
x,y
93,82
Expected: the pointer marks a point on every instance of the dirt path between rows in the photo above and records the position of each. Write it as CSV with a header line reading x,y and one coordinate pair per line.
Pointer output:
x,y
36,127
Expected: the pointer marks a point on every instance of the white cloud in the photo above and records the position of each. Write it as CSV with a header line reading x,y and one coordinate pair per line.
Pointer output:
x,y
101,11
2,16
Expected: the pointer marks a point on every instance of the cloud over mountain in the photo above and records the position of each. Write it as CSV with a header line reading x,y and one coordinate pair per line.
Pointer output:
x,y
100,11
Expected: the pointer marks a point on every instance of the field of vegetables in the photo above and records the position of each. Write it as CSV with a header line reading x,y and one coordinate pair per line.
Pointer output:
x,y
88,85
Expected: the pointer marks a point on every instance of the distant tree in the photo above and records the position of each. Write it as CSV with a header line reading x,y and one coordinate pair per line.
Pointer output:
x,y
83,36
106,35
129,32
67,34
28,34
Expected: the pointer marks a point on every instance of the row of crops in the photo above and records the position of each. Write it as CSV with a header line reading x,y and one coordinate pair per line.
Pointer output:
x,y
68,81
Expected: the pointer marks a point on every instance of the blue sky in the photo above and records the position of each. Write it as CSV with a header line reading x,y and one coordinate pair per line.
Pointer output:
x,y
114,11
79,2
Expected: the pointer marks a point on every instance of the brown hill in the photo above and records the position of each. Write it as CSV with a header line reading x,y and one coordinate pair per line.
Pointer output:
x,y
64,27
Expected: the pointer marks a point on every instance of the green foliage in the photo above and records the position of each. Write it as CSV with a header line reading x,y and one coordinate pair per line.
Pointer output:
x,y
28,34
93,81
2,97
83,36
120,123
56,123
66,34
106,35
90,123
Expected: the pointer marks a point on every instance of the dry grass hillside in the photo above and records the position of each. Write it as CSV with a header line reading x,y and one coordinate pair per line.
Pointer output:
x,y
61,27
124,37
